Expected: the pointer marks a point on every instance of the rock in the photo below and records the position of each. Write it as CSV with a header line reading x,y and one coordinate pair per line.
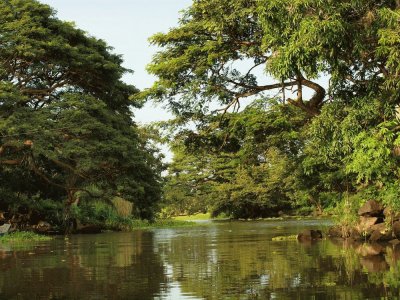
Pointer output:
x,y
371,208
394,242
87,228
310,234
42,227
335,232
5,228
43,224
390,215
396,229
380,232
344,232
365,224
377,236
381,227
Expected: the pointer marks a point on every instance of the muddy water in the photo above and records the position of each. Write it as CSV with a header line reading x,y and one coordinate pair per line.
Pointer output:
x,y
221,260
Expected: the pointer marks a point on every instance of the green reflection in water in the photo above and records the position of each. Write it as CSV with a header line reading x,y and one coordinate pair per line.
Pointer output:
x,y
225,260
106,266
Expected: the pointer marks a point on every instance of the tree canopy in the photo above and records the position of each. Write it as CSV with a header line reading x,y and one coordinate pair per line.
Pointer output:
x,y
222,51
66,128
246,166
233,53
279,104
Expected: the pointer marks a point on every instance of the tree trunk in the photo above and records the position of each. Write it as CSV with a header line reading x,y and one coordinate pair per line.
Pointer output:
x,y
69,221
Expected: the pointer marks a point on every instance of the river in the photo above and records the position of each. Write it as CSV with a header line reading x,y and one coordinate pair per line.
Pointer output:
x,y
216,260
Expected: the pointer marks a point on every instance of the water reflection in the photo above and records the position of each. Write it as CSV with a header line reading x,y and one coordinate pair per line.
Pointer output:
x,y
107,266
231,260
239,261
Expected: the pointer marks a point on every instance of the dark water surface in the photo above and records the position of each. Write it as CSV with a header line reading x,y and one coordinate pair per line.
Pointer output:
x,y
222,260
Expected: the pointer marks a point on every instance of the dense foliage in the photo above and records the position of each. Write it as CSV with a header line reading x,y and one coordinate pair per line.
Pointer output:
x,y
346,53
66,130
329,135
246,165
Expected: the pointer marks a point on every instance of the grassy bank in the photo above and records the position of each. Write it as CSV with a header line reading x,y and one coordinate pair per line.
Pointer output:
x,y
196,217
23,236
160,223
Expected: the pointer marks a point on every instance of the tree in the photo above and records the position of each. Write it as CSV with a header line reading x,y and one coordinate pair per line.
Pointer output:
x,y
66,123
228,51
44,57
215,52
246,166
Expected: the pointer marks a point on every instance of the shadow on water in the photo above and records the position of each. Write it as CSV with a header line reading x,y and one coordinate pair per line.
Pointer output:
x,y
225,260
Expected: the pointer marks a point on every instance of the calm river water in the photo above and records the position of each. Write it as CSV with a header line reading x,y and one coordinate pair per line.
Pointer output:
x,y
221,260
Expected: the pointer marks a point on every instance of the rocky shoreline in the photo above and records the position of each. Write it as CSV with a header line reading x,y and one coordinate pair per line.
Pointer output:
x,y
375,224
375,235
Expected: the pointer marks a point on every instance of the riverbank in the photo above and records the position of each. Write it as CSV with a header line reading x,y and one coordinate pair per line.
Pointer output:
x,y
44,229
129,224
207,217
195,217
23,236
373,223
31,236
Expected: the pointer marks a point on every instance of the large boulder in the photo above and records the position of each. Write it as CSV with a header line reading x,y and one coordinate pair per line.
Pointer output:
x,y
365,224
5,228
380,232
371,208
345,232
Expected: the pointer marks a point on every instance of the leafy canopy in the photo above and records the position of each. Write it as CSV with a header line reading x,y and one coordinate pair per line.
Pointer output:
x,y
66,129
227,50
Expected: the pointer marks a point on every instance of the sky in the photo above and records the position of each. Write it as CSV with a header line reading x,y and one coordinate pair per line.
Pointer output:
x,y
126,25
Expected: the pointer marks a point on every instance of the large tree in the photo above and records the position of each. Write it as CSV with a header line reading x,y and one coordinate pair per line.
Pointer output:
x,y
65,119
44,57
227,51
231,50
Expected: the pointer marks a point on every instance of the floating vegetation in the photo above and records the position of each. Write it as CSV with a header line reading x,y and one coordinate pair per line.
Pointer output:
x,y
285,238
